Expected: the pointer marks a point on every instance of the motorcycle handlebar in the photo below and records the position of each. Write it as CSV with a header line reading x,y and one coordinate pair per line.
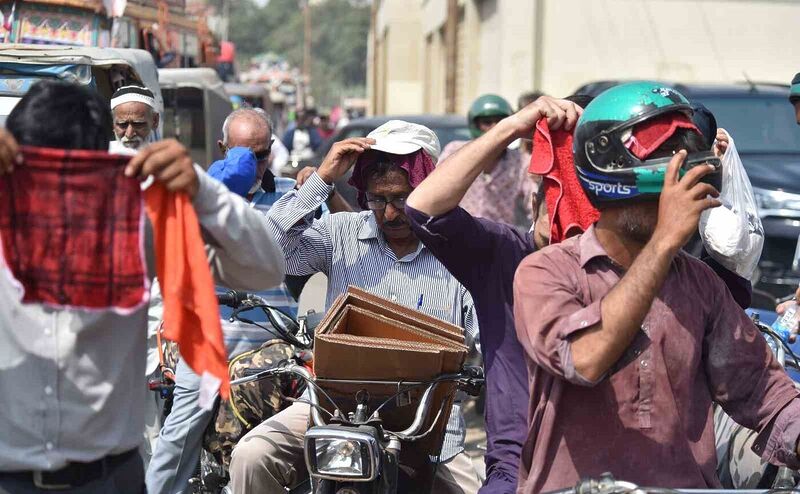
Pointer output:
x,y
289,369
419,417
233,298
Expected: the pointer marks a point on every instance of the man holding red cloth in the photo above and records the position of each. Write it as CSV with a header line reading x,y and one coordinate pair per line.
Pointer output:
x,y
72,366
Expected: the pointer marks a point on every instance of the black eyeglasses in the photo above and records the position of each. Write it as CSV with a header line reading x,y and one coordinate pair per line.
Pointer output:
x,y
378,203
264,153
261,155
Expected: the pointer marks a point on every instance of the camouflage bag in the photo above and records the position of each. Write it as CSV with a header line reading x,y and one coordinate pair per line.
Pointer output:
x,y
251,403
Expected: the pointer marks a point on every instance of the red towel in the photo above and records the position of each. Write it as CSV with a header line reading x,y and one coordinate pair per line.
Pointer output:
x,y
71,232
649,135
191,313
569,209
71,223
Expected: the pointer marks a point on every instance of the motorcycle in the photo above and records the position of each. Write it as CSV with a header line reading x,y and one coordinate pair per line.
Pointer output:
x,y
353,453
292,339
606,484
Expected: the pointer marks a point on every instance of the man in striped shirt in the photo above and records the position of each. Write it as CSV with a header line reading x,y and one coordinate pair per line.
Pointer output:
x,y
374,250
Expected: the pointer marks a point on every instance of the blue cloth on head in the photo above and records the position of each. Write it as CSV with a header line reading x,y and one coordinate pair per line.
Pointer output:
x,y
237,170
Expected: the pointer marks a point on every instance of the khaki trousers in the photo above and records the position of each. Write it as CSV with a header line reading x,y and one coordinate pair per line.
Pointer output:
x,y
270,458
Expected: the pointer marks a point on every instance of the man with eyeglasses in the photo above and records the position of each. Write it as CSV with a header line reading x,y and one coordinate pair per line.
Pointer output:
x,y
135,116
375,250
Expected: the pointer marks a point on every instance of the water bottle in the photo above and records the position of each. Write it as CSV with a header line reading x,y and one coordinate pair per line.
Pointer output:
x,y
788,321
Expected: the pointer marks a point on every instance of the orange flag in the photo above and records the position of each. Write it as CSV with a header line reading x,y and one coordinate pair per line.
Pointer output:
x,y
191,313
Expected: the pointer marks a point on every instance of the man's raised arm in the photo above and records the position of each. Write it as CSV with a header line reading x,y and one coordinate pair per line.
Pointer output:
x,y
622,311
445,187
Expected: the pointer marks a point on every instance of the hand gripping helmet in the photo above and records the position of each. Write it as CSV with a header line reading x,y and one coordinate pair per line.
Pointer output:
x,y
488,105
605,143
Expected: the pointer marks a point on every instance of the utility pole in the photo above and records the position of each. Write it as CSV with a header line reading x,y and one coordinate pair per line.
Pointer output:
x,y
373,52
451,54
306,48
226,19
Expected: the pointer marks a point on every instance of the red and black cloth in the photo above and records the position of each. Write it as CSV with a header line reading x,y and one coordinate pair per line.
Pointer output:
x,y
71,229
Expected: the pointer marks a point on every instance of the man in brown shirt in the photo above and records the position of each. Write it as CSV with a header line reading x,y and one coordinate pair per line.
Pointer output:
x,y
628,339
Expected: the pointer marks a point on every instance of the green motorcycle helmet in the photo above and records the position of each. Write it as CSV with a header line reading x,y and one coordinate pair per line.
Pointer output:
x,y
606,169
487,105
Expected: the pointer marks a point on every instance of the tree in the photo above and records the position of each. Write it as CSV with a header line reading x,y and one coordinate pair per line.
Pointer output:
x,y
339,41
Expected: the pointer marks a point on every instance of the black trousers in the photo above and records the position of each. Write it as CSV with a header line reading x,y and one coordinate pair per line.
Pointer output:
x,y
124,478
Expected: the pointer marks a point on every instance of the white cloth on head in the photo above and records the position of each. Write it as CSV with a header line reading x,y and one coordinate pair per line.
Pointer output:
x,y
133,97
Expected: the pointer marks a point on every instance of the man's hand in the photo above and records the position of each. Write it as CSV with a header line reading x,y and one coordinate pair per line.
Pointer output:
x,y
9,152
721,143
341,157
560,113
303,175
681,202
169,162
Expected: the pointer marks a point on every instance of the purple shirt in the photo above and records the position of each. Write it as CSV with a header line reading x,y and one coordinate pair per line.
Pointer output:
x,y
483,255
649,420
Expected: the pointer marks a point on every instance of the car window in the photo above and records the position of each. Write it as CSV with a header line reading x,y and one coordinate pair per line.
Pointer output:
x,y
445,135
448,134
353,132
341,135
758,124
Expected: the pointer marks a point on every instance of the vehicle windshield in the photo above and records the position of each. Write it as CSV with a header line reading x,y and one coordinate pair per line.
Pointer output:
x,y
449,134
757,123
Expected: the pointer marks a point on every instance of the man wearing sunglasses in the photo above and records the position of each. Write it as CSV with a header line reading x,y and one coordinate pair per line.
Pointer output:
x,y
375,250
246,141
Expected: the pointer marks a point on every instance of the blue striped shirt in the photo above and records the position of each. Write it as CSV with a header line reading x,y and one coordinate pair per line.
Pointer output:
x,y
240,337
350,250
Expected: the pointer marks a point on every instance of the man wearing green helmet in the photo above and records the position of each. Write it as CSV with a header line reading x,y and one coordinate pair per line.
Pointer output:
x,y
504,191
630,340
794,96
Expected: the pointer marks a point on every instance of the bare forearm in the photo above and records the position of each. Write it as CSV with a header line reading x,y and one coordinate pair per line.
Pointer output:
x,y
445,187
595,350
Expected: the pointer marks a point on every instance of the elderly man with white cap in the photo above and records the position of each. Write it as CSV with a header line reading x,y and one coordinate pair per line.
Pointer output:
x,y
135,115
375,250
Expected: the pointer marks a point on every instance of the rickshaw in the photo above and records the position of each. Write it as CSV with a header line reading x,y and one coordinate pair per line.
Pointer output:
x,y
105,69
195,106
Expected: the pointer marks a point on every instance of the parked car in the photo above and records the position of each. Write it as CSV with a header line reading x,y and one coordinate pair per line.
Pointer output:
x,y
763,125
447,128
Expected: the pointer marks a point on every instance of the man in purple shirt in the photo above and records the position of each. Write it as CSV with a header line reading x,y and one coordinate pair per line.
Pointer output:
x,y
483,255
628,339
459,240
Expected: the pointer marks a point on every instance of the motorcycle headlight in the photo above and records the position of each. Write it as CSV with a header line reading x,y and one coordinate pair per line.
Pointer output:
x,y
338,453
776,202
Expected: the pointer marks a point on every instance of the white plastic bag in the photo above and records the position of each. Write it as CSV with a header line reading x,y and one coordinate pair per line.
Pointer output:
x,y
732,233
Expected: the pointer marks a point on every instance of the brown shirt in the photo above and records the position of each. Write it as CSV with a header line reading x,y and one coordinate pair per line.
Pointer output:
x,y
649,420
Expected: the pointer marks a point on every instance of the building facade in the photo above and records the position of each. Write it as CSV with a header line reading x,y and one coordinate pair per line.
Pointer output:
x,y
434,56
